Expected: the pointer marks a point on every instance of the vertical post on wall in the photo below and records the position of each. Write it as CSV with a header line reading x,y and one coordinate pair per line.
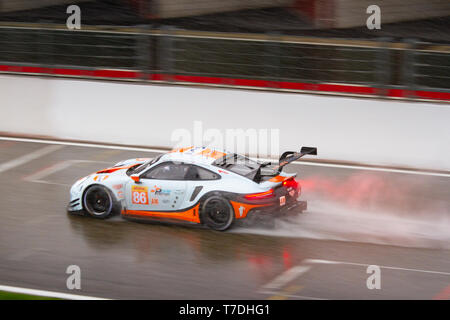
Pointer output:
x,y
408,72
45,56
143,51
383,66
272,59
166,53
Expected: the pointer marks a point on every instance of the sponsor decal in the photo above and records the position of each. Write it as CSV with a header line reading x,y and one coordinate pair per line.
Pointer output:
x,y
155,201
181,150
101,178
241,211
160,192
139,195
211,153
118,186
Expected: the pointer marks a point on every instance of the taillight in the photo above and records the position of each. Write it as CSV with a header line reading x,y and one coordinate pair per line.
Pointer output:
x,y
290,183
260,195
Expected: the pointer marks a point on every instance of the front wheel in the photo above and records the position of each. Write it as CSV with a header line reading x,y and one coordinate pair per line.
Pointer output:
x,y
217,213
99,202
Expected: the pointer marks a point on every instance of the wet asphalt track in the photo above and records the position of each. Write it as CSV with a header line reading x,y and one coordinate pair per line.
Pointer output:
x,y
128,260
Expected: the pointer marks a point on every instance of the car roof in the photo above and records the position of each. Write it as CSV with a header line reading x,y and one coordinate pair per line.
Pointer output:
x,y
200,155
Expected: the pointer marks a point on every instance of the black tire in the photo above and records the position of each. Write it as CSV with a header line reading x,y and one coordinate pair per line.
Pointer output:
x,y
217,213
99,202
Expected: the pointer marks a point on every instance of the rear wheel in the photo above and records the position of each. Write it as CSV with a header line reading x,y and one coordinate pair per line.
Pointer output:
x,y
99,202
217,213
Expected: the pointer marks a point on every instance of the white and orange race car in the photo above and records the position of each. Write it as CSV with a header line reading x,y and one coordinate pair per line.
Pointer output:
x,y
195,184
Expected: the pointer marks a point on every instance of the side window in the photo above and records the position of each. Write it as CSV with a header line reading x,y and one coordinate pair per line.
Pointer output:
x,y
167,171
198,173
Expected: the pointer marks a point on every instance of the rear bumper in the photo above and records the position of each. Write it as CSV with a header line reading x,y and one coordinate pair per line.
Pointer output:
x,y
294,207
298,206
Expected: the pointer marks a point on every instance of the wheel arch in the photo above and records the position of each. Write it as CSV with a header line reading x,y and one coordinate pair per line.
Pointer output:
x,y
115,201
229,196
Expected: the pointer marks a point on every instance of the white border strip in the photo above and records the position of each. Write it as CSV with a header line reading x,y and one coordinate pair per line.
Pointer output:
x,y
28,157
320,164
362,167
81,144
49,294
286,277
320,261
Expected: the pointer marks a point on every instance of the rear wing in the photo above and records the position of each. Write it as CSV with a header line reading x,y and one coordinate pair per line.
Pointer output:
x,y
286,158
290,156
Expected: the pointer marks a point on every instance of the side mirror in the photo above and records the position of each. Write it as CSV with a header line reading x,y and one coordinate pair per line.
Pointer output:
x,y
135,178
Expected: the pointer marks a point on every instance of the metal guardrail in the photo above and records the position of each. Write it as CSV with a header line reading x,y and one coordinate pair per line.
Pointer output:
x,y
269,57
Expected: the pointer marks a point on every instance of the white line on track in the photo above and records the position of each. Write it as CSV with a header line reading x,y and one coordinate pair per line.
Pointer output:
x,y
320,261
361,167
303,297
295,296
286,277
274,287
38,176
82,144
28,157
320,164
50,294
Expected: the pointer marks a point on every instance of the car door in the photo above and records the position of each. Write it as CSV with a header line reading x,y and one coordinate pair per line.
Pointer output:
x,y
199,181
161,188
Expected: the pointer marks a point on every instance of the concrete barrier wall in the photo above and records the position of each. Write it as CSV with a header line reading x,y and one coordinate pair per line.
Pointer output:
x,y
183,8
17,5
369,131
352,13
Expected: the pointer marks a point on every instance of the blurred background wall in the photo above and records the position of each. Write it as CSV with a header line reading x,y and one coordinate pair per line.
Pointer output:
x,y
234,45
370,131
185,8
18,5
352,13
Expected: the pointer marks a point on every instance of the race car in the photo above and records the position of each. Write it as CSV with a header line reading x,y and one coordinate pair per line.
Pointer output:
x,y
198,185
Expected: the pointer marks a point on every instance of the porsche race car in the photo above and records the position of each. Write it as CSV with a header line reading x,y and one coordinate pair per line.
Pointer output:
x,y
196,184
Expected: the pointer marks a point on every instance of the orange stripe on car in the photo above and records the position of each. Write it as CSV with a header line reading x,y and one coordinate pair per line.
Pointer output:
x,y
278,179
217,154
181,150
191,215
113,169
205,152
211,153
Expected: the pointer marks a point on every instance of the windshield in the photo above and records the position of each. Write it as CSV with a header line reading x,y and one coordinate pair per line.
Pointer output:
x,y
141,167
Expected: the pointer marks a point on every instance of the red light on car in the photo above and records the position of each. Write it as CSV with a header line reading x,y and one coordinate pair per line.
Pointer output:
x,y
260,195
290,183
